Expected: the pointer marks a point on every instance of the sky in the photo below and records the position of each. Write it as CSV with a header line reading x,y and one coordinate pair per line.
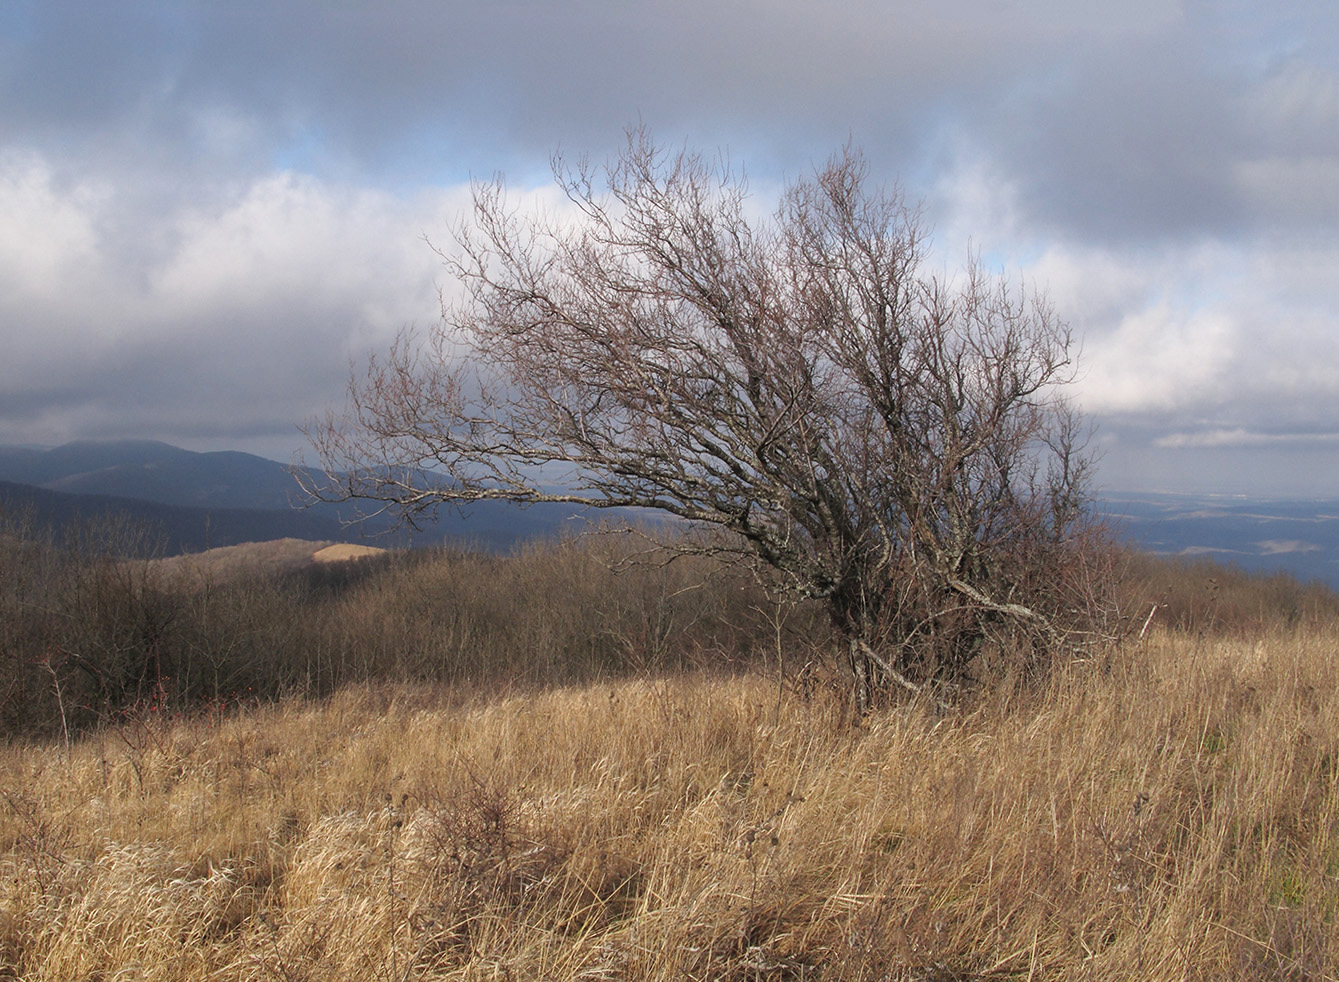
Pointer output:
x,y
211,209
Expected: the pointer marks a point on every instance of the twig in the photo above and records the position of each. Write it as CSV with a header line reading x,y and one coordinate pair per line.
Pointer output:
x,y
60,702
1147,621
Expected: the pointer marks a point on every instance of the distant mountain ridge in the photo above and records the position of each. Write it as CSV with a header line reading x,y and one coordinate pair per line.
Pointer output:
x,y
166,529
154,471
203,500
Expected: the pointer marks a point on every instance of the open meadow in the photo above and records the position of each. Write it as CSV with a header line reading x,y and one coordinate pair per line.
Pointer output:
x,y
690,798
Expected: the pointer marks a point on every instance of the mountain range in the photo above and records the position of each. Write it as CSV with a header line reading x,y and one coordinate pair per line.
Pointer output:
x,y
197,501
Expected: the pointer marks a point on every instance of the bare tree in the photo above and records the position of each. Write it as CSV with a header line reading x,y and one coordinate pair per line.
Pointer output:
x,y
893,443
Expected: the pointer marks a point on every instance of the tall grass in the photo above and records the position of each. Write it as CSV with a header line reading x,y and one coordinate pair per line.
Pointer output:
x,y
1168,812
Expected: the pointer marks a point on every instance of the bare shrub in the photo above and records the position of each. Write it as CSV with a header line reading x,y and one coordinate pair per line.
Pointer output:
x,y
892,443
85,629
89,638
552,612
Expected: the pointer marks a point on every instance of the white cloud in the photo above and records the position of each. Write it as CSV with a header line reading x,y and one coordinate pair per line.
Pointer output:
x,y
245,314
1240,437
290,243
48,237
1160,358
1206,341
1281,547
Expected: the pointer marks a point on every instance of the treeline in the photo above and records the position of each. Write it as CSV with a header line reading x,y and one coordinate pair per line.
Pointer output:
x,y
88,636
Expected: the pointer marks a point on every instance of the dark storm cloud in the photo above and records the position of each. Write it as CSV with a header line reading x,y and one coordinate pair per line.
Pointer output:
x,y
369,80
1109,154
1124,122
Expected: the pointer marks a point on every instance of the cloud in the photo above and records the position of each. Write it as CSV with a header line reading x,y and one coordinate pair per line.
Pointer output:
x,y
1177,132
1216,332
1160,358
514,78
246,316
1243,438
1281,547
48,232
210,207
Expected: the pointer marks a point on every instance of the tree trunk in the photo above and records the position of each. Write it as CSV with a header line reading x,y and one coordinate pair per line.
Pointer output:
x,y
860,674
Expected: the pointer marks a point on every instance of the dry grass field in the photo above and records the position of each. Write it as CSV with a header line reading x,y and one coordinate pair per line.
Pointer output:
x,y
1169,810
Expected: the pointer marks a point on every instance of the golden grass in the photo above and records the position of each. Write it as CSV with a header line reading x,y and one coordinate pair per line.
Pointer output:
x,y
1169,812
248,561
344,551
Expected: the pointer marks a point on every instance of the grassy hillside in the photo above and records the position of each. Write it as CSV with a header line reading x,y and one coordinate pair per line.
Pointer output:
x,y
461,766
1170,812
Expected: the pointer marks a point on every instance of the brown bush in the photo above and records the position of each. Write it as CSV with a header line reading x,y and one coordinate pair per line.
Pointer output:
x,y
1209,598
87,637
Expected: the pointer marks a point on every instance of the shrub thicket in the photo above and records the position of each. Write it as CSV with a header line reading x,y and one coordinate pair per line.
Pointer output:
x,y
1204,597
87,636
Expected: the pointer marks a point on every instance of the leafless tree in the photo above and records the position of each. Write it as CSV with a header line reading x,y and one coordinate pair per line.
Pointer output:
x,y
892,442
